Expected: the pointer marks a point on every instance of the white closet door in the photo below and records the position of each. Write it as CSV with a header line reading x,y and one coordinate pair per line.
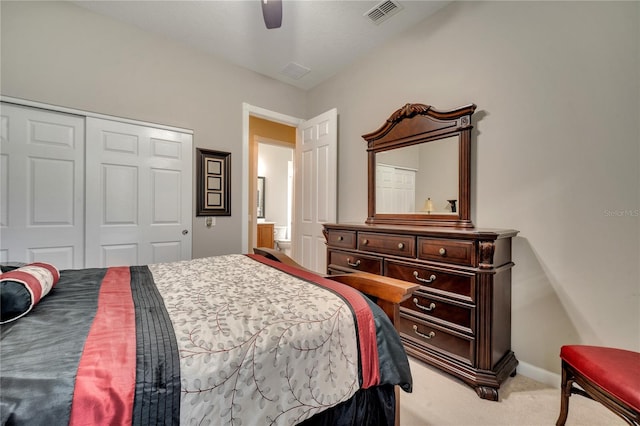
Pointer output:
x,y
139,199
41,186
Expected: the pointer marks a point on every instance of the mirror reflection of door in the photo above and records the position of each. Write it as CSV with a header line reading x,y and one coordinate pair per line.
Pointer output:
x,y
407,177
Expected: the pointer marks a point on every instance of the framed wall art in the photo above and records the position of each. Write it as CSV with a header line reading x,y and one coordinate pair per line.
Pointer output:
x,y
213,170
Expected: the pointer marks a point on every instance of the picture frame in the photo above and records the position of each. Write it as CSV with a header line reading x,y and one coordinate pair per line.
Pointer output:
x,y
213,170
260,204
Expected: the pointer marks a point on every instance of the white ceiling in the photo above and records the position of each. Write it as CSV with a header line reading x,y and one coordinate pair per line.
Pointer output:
x,y
324,36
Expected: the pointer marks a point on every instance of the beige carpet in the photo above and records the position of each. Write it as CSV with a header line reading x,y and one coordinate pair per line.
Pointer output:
x,y
439,399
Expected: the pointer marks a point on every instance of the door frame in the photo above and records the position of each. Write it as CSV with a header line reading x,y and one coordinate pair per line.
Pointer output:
x,y
251,110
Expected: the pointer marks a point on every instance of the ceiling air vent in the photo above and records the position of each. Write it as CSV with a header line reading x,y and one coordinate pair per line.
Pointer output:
x,y
295,71
383,11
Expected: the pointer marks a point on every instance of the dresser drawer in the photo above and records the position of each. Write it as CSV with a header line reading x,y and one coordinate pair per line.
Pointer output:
x,y
447,251
434,280
342,239
356,262
437,309
398,245
439,338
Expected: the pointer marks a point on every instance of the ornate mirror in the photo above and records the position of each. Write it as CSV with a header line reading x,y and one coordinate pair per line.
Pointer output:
x,y
420,167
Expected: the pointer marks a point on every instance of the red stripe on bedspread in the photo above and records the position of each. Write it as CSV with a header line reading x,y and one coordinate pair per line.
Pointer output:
x,y
364,317
105,383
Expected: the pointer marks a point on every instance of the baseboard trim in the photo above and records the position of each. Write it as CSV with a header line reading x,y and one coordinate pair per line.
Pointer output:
x,y
539,374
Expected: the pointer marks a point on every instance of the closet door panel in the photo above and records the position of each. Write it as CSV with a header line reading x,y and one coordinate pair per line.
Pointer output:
x,y
165,252
42,172
119,254
51,189
140,210
119,192
166,197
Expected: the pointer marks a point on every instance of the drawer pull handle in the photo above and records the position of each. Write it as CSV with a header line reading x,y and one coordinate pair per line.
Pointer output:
x,y
340,238
355,265
429,308
365,241
431,334
431,279
400,246
442,251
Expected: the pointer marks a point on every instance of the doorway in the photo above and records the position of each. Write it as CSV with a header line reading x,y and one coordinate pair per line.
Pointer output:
x,y
314,182
250,149
275,198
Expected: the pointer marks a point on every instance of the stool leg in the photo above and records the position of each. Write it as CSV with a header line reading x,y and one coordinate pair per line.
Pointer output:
x,y
565,393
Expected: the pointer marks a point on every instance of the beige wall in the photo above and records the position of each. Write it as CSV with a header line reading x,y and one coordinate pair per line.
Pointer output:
x,y
556,151
61,54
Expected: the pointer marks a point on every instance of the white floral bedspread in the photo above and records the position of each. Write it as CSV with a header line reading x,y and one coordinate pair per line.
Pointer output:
x,y
257,346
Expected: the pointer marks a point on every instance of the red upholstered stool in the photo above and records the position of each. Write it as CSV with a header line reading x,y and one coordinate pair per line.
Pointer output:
x,y
609,376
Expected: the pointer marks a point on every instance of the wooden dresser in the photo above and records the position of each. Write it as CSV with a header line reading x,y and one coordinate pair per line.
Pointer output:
x,y
460,318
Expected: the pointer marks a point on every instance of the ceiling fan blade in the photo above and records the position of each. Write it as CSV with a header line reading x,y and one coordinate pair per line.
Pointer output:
x,y
272,13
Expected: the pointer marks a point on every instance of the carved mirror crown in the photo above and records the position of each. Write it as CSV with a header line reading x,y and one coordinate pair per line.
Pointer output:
x,y
419,164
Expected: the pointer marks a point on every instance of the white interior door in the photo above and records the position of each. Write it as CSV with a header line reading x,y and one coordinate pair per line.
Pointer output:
x,y
315,188
42,187
395,189
139,196
384,188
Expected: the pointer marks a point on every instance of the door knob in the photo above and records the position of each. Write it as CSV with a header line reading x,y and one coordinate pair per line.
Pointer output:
x,y
185,232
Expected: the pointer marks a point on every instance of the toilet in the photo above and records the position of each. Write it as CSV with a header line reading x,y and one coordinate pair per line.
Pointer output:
x,y
282,241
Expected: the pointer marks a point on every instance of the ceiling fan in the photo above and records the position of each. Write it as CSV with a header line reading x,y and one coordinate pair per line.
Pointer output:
x,y
272,13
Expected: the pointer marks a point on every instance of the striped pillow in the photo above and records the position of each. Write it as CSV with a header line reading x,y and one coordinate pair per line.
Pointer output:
x,y
22,288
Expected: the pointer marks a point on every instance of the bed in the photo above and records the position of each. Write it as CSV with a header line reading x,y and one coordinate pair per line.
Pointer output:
x,y
238,339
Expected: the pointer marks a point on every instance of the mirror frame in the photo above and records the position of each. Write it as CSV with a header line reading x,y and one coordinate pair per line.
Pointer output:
x,y
419,123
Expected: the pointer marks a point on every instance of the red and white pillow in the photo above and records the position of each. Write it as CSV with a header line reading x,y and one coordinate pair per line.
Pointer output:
x,y
21,289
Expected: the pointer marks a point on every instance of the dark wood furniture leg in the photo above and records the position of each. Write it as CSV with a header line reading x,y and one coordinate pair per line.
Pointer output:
x,y
565,393
592,390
